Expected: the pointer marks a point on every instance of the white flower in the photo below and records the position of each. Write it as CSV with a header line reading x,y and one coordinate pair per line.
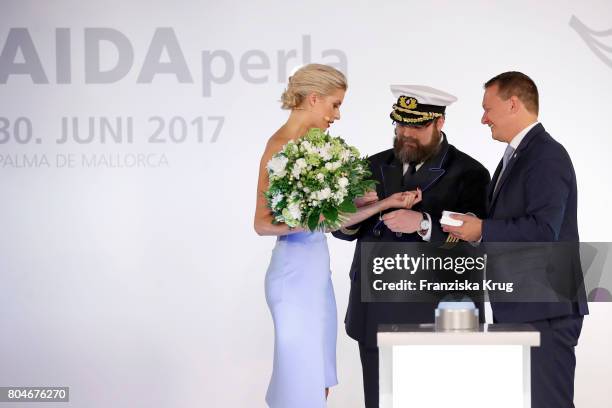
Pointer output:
x,y
340,195
317,196
343,182
299,165
345,155
320,177
323,194
294,210
277,165
307,146
276,199
333,165
325,152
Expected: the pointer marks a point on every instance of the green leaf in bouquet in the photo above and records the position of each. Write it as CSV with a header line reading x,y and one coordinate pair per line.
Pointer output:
x,y
330,214
347,206
371,185
313,219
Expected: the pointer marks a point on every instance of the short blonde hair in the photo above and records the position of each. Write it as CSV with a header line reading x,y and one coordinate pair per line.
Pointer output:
x,y
317,78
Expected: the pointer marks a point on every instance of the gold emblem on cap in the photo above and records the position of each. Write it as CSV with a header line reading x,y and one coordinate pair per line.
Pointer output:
x,y
411,104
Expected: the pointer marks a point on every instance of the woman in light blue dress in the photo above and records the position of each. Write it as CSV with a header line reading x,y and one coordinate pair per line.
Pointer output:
x,y
298,282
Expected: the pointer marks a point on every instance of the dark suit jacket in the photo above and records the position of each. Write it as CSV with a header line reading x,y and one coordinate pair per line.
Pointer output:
x,y
535,202
450,180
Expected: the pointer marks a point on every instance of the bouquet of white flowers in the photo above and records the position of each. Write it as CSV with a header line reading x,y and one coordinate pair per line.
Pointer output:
x,y
314,180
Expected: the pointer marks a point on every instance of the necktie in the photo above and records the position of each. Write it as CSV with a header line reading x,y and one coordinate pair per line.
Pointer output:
x,y
409,172
507,155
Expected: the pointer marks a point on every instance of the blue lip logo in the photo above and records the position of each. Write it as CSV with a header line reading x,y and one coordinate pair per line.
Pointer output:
x,y
593,40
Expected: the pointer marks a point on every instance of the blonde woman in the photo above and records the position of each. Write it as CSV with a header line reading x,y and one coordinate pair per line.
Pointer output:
x,y
298,282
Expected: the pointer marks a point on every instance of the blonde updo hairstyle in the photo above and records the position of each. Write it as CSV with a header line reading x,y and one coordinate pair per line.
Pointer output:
x,y
317,78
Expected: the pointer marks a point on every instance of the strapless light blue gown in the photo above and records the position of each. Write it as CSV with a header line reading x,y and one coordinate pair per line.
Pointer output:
x,y
301,299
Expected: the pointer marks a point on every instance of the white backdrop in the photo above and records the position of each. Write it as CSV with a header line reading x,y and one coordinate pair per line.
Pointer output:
x,y
129,268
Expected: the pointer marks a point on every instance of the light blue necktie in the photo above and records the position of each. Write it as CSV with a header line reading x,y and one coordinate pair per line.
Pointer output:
x,y
507,155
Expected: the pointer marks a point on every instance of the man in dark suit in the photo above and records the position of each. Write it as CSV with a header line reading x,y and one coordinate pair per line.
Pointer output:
x,y
532,201
449,180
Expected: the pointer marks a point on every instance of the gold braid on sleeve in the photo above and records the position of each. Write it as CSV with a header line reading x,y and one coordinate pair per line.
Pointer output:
x,y
347,231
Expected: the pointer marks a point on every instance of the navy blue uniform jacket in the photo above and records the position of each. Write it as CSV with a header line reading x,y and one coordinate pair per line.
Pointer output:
x,y
450,180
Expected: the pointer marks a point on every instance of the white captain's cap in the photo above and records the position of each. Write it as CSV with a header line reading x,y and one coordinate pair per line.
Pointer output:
x,y
417,105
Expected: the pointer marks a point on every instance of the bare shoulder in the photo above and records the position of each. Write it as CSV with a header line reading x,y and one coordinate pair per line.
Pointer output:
x,y
275,143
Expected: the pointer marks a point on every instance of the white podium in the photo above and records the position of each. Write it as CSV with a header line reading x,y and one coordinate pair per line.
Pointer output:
x,y
420,367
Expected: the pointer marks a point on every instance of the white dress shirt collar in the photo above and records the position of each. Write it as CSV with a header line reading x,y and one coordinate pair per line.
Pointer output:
x,y
516,140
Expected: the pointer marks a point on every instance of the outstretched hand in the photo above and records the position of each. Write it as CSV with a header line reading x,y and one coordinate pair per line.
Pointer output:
x,y
404,199
368,198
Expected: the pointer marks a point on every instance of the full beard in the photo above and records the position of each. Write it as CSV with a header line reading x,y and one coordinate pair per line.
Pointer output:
x,y
410,150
